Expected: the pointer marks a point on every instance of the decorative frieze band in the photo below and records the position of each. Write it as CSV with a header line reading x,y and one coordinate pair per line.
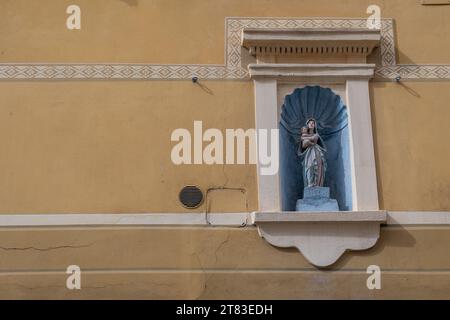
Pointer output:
x,y
233,68
117,72
414,72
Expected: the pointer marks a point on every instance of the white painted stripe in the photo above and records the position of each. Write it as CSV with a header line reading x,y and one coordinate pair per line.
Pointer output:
x,y
418,217
200,219
239,219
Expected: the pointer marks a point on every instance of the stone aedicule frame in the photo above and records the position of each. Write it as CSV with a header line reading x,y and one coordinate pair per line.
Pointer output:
x,y
355,76
321,237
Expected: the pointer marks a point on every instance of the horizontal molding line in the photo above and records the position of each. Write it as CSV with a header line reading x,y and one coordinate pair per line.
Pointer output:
x,y
232,69
418,218
129,219
240,219
233,271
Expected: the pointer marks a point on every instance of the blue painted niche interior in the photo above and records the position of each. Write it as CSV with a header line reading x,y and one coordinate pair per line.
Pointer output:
x,y
330,113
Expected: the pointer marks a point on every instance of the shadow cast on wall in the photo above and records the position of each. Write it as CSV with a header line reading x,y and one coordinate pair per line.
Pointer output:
x,y
331,116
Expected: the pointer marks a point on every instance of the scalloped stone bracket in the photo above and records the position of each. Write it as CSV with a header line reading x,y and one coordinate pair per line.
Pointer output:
x,y
322,237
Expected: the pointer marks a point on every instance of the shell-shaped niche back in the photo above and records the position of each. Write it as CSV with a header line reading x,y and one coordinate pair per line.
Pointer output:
x,y
330,114
315,102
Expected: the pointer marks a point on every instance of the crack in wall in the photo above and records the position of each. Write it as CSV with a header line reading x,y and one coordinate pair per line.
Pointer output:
x,y
207,277
45,249
82,287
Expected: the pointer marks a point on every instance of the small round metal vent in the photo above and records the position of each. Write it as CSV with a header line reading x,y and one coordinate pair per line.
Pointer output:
x,y
191,197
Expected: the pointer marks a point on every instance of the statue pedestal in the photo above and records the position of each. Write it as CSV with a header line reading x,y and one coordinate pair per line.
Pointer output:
x,y
317,199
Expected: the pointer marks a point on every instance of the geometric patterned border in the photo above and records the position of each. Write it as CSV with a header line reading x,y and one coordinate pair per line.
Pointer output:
x,y
116,72
232,69
414,72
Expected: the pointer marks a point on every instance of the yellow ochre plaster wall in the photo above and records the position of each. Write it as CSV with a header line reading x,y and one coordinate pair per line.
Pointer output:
x,y
191,32
104,146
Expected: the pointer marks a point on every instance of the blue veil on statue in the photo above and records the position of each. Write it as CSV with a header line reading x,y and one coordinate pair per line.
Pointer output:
x,y
330,114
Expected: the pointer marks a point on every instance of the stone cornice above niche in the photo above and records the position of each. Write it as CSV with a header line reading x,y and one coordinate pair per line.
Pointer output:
x,y
325,44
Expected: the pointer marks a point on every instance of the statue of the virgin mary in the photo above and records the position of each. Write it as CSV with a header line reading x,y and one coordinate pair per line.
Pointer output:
x,y
312,152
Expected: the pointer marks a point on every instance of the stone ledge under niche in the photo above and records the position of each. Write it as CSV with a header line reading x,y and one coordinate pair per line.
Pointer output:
x,y
322,237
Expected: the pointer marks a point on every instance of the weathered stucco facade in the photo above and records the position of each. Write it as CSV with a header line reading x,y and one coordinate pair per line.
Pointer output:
x,y
87,146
